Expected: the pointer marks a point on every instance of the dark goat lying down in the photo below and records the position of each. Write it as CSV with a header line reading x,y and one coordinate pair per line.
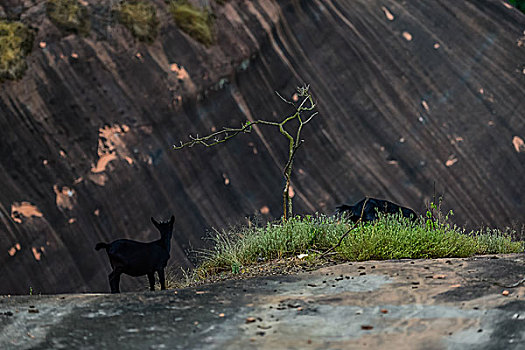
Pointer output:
x,y
138,259
372,207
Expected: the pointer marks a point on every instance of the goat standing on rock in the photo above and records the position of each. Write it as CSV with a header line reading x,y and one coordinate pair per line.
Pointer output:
x,y
138,259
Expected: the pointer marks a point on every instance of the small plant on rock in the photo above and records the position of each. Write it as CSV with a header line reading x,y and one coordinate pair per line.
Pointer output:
x,y
140,17
69,15
195,22
16,42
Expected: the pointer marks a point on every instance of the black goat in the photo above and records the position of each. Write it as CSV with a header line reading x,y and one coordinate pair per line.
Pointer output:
x,y
138,259
373,206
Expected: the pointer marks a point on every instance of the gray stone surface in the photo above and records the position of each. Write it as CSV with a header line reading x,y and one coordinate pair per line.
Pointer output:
x,y
409,304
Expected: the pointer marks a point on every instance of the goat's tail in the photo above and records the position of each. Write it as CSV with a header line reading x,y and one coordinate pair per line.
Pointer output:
x,y
101,245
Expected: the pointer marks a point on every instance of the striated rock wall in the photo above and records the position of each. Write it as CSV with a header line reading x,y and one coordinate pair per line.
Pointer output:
x,y
409,93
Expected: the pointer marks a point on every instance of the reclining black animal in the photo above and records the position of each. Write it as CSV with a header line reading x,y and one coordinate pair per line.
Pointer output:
x,y
371,207
138,259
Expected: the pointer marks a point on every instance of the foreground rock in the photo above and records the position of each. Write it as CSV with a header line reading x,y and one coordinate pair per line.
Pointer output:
x,y
409,304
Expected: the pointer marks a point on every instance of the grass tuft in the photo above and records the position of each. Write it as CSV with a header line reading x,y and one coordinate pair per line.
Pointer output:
x,y
390,237
195,22
493,241
16,42
140,17
69,15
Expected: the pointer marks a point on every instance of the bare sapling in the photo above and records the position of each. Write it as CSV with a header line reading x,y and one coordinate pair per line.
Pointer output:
x,y
304,112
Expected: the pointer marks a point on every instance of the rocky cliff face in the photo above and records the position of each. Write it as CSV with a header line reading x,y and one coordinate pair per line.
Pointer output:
x,y
409,93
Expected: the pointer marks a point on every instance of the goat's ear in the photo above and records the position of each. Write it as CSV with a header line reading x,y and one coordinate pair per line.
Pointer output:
x,y
172,220
154,222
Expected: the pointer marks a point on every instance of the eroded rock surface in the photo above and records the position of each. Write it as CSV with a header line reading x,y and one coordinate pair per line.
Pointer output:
x,y
408,304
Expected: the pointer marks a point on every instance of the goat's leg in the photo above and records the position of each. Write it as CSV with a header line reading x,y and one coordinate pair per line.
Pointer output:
x,y
151,278
114,281
162,279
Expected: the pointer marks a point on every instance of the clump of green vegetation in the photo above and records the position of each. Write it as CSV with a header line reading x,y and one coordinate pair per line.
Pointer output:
x,y
494,241
389,237
140,18
195,22
69,15
16,42
520,4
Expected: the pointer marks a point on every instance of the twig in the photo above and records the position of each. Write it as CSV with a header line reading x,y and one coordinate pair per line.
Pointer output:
x,y
347,232
310,118
340,239
284,100
514,285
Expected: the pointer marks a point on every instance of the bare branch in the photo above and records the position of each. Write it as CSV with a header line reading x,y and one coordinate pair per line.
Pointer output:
x,y
310,118
285,100
300,108
222,136
290,160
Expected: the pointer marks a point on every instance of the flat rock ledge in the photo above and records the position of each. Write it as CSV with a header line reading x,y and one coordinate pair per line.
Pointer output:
x,y
409,304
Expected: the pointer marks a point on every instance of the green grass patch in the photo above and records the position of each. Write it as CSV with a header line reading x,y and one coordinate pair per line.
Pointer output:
x,y
140,17
16,42
493,241
69,15
195,22
390,237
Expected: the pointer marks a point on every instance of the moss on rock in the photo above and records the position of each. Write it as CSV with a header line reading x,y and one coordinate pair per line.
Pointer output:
x,y
140,18
16,42
69,15
195,22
